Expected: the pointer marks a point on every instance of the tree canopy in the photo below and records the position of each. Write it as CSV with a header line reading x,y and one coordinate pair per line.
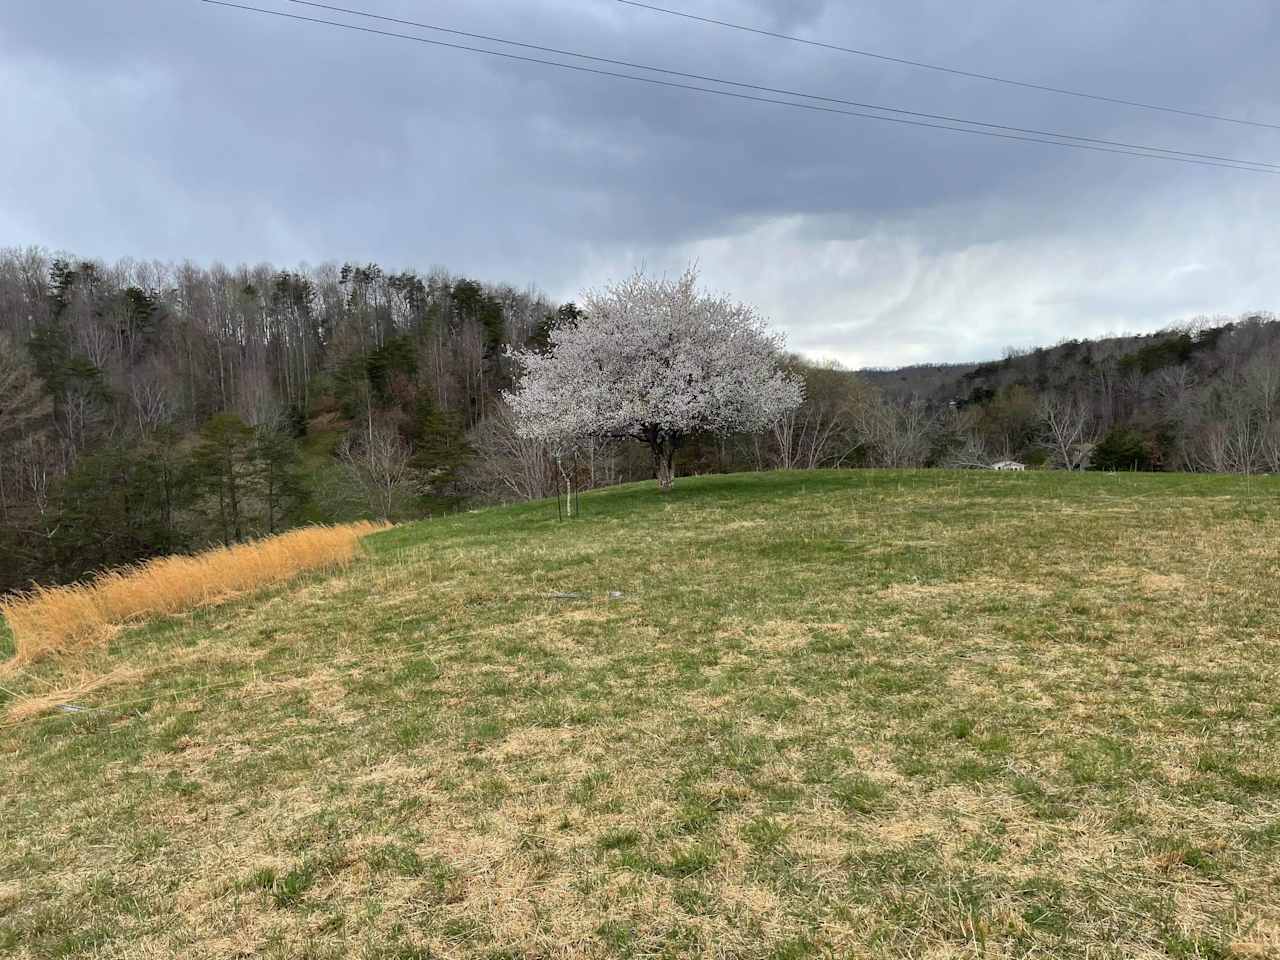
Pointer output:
x,y
653,360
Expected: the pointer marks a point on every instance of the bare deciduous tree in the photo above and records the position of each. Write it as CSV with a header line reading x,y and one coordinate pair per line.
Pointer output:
x,y
1068,431
896,434
1173,391
23,405
519,467
22,397
967,448
152,404
36,464
1270,448
817,433
380,462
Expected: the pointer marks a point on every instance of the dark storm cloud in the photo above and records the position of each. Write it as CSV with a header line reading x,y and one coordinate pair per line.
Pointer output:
x,y
179,129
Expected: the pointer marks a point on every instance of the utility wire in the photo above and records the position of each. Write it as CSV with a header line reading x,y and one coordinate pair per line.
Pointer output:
x,y
1256,167
1045,88
778,90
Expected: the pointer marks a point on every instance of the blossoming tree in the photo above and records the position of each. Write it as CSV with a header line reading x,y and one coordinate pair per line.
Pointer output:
x,y
653,360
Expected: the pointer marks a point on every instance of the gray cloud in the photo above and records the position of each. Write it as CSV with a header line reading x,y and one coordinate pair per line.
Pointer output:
x,y
180,130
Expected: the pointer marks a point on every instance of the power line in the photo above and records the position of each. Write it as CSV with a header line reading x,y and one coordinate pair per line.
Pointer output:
x,y
973,75
778,90
1258,166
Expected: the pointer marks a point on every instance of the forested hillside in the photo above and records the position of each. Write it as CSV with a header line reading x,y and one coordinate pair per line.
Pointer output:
x,y
147,408
1202,396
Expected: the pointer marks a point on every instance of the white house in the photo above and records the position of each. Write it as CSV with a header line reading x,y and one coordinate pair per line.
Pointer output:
x,y
1008,465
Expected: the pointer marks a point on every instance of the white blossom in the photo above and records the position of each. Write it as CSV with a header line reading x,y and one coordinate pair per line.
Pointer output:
x,y
653,360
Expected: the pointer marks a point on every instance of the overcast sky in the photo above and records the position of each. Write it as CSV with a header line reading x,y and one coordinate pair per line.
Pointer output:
x,y
173,129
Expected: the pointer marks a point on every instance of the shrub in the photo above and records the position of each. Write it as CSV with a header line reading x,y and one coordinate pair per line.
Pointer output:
x,y
1124,448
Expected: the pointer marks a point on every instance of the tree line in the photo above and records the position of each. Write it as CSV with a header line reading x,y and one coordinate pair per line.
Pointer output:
x,y
148,407
152,407
1200,396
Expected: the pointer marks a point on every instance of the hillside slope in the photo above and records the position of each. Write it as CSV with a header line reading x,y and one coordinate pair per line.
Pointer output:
x,y
883,714
1198,397
1210,350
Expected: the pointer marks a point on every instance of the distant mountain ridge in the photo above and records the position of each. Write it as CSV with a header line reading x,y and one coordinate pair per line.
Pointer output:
x,y
1191,342
1204,395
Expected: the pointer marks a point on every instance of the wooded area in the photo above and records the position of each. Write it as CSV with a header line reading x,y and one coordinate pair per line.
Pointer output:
x,y
147,408
1200,396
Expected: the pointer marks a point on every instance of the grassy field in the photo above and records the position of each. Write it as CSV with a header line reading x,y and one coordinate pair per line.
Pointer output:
x,y
856,714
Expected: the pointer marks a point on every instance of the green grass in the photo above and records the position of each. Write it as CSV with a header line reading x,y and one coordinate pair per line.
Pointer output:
x,y
873,714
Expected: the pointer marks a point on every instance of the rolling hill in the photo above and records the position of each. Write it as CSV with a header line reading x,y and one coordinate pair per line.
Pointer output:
x,y
830,713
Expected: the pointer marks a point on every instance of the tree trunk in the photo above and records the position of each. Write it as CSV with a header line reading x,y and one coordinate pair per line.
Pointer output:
x,y
233,497
271,499
664,451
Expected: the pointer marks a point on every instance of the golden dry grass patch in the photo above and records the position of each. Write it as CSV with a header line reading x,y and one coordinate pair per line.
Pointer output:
x,y
57,620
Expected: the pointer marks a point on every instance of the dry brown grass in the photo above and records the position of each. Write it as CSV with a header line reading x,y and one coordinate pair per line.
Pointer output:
x,y
42,701
56,620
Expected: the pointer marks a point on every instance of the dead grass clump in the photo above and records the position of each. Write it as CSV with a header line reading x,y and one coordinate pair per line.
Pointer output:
x,y
51,620
35,704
